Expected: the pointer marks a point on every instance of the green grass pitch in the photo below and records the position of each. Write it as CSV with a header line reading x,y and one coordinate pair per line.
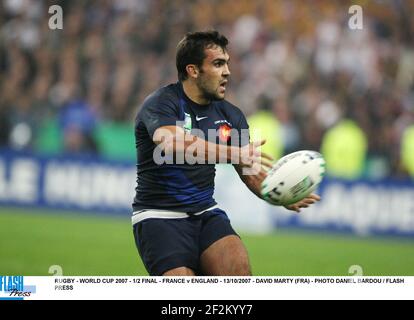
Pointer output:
x,y
32,241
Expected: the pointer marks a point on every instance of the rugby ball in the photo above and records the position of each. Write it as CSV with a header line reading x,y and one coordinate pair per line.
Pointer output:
x,y
293,177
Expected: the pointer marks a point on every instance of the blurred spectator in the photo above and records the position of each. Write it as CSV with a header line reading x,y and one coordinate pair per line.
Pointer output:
x,y
4,128
78,121
407,150
344,147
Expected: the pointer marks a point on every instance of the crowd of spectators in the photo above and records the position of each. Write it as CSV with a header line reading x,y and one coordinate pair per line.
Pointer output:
x,y
300,55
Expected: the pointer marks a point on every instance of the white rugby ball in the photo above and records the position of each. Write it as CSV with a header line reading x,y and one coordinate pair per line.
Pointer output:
x,y
293,177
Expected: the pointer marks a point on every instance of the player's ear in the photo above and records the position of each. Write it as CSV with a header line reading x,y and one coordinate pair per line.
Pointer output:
x,y
192,71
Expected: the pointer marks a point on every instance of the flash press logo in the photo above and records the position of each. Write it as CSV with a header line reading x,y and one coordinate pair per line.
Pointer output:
x,y
12,288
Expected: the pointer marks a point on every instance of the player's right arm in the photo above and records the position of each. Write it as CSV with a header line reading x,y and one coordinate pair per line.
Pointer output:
x,y
173,140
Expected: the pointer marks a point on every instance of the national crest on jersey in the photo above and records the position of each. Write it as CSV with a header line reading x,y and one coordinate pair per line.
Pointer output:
x,y
224,132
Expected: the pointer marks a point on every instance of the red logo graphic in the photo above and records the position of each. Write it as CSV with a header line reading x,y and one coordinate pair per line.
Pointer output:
x,y
224,133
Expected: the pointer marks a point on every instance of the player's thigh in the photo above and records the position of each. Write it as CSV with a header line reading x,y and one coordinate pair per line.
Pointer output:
x,y
167,244
226,257
223,253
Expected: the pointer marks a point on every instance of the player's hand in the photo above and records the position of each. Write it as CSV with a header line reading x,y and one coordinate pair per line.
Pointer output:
x,y
304,203
252,157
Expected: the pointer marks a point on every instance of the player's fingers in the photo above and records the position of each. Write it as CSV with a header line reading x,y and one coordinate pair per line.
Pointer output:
x,y
266,164
309,200
266,156
314,196
293,207
258,143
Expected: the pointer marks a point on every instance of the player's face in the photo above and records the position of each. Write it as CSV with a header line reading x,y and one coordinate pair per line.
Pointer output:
x,y
214,74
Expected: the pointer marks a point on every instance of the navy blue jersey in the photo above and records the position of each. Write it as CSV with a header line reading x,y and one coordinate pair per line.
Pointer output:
x,y
181,187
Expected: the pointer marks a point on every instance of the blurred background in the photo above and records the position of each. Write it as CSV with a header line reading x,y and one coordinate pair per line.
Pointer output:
x,y
68,99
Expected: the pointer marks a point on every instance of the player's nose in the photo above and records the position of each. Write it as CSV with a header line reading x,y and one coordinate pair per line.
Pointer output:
x,y
226,70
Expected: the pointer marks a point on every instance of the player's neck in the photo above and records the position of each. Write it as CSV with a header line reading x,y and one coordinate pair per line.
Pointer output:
x,y
193,93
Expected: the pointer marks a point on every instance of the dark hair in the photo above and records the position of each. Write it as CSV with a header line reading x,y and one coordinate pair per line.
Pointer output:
x,y
190,50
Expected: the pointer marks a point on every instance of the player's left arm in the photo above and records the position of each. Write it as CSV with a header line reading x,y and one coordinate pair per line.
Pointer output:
x,y
252,181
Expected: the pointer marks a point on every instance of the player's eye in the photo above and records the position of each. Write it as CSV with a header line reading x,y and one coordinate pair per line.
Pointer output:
x,y
219,63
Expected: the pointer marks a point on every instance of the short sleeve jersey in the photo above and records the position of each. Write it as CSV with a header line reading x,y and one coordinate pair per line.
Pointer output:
x,y
175,185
